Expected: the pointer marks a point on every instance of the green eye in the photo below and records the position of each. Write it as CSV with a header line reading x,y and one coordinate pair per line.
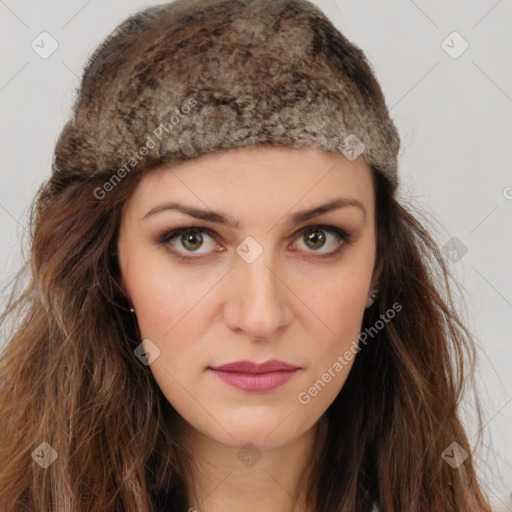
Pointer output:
x,y
191,240
316,238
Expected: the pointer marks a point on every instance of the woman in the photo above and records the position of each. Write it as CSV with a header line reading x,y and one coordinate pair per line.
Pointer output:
x,y
227,305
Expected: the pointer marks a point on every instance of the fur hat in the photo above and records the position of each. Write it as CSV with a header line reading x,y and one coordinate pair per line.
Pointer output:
x,y
192,77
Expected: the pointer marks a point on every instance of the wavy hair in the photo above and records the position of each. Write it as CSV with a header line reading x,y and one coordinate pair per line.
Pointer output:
x,y
69,377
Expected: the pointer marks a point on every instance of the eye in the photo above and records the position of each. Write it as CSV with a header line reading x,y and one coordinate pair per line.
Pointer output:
x,y
190,239
317,237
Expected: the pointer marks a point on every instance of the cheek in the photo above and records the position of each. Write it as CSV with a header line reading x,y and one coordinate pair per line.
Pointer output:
x,y
168,308
346,305
173,311
333,353
163,298
341,308
343,311
342,300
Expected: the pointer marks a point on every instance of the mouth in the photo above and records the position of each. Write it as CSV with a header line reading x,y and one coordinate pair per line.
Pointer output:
x,y
254,377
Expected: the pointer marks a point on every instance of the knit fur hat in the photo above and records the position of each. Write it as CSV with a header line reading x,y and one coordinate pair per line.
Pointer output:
x,y
192,77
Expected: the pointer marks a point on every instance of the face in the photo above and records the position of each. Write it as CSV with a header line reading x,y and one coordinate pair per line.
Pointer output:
x,y
252,277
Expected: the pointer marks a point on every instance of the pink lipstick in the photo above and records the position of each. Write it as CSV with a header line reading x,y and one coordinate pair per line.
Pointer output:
x,y
249,376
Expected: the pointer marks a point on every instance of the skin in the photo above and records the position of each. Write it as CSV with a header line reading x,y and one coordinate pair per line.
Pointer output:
x,y
288,304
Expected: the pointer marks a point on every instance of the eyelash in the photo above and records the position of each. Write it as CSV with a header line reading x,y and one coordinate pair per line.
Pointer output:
x,y
167,236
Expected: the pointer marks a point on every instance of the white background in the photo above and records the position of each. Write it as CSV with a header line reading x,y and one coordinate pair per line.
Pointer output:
x,y
453,114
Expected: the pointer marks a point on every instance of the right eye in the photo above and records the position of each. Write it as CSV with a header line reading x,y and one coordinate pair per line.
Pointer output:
x,y
190,238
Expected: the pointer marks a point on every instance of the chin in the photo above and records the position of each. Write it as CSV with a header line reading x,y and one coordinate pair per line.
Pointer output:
x,y
265,431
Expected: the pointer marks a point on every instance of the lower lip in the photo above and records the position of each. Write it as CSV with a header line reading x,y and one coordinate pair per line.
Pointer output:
x,y
255,381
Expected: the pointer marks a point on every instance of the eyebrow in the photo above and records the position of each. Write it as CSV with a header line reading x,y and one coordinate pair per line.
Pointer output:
x,y
220,218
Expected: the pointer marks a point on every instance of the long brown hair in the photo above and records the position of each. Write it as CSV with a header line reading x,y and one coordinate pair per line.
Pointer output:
x,y
84,426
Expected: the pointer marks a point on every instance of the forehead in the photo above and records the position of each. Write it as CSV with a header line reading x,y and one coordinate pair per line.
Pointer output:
x,y
258,178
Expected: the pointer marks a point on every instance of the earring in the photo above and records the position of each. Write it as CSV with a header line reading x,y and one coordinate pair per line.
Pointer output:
x,y
132,310
373,296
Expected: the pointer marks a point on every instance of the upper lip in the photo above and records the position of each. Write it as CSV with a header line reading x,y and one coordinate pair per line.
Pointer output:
x,y
250,367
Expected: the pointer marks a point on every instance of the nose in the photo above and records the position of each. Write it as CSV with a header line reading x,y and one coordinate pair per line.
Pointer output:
x,y
258,305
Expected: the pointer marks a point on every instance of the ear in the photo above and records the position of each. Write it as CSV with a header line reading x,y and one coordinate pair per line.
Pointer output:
x,y
119,273
122,284
374,288
376,275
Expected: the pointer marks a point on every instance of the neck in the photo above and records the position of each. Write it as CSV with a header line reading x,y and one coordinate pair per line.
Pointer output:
x,y
228,479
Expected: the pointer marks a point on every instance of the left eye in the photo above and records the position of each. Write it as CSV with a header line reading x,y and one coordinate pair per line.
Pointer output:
x,y
314,237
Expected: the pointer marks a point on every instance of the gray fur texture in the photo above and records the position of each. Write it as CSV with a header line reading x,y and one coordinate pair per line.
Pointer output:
x,y
193,77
